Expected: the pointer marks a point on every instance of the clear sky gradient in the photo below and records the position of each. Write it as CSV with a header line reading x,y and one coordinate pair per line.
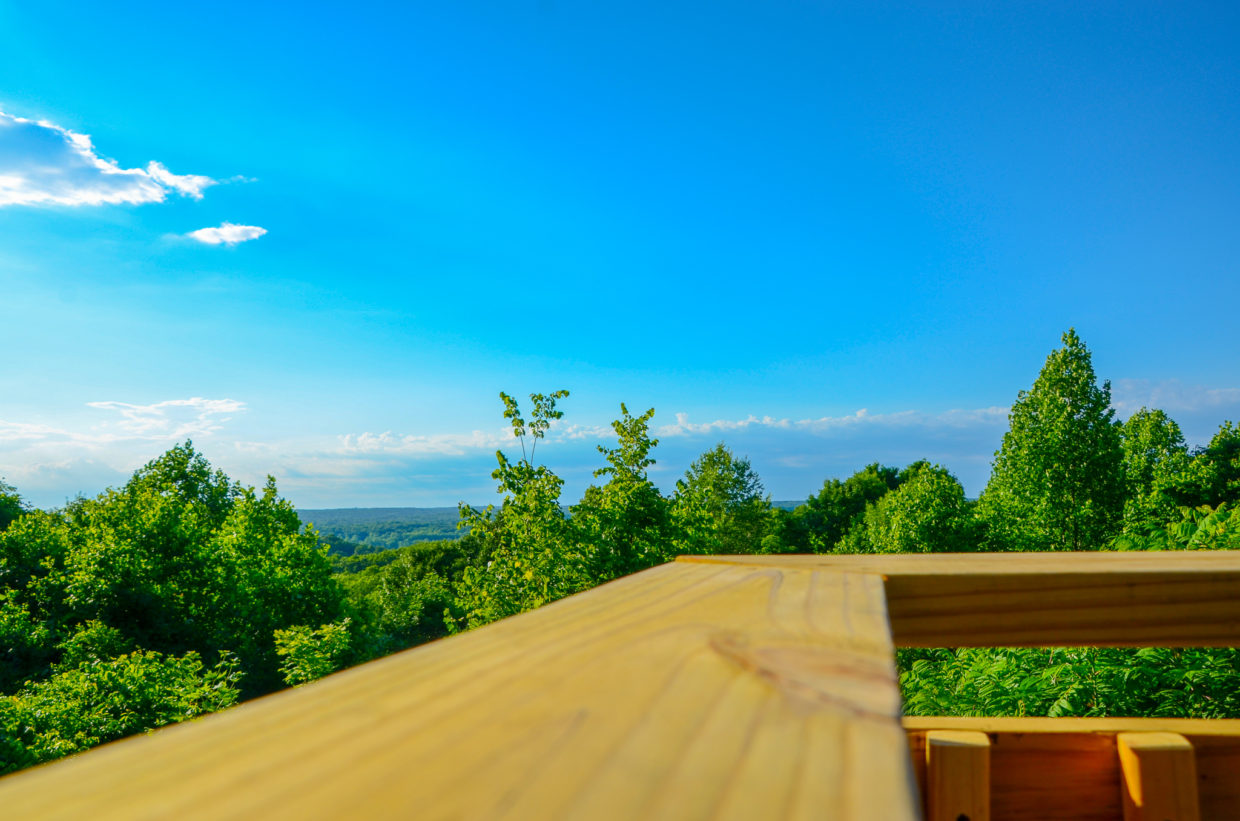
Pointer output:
x,y
320,238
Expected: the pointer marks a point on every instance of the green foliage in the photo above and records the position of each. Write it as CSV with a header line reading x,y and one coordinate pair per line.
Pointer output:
x,y
1057,481
1213,476
719,506
149,604
11,505
1155,457
359,531
1202,528
100,699
926,513
624,525
821,523
534,556
1075,681
310,654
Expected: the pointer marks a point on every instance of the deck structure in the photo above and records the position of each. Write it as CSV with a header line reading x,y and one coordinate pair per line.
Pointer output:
x,y
747,687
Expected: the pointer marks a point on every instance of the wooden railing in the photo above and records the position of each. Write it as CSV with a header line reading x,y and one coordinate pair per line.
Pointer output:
x,y
713,687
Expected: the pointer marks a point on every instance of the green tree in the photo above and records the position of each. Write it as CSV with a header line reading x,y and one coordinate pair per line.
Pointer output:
x,y
1155,456
11,505
719,506
310,654
625,525
97,699
535,557
1057,482
927,513
821,523
1213,475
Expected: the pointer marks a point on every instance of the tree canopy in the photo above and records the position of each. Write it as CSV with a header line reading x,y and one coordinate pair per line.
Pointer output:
x,y
1057,482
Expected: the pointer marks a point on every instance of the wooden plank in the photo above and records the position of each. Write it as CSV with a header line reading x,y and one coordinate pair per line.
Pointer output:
x,y
1159,777
1174,598
957,776
685,692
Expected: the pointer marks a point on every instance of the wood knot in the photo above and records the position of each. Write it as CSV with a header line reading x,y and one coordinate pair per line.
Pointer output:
x,y
816,677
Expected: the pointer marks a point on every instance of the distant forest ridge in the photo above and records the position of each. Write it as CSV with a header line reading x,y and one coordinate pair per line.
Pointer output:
x,y
353,531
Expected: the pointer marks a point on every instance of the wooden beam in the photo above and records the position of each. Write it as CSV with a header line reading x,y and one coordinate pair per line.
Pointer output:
x,y
1167,599
684,692
1159,777
957,776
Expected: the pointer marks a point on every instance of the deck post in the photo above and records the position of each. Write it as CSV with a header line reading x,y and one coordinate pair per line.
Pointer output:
x,y
1159,777
957,776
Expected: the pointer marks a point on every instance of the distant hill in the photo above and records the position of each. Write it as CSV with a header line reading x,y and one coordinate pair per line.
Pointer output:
x,y
353,531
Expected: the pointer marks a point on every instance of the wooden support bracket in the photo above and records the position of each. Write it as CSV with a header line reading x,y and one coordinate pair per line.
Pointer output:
x,y
1159,777
957,776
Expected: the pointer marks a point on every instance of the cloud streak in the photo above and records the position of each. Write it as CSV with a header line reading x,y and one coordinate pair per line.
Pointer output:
x,y
834,424
165,421
1130,395
227,234
44,164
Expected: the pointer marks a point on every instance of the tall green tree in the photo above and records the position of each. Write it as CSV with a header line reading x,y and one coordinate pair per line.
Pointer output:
x,y
1155,457
625,524
719,506
535,556
1058,482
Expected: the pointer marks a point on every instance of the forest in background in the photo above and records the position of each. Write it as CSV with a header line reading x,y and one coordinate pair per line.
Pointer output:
x,y
184,592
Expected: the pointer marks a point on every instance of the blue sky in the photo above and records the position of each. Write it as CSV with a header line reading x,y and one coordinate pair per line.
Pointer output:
x,y
321,239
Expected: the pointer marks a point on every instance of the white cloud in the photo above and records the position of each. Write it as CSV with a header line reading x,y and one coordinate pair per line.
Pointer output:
x,y
191,185
169,420
445,444
227,234
1129,395
829,424
44,164
173,418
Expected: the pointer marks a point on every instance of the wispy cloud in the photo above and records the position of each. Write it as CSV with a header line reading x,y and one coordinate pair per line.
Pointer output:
x,y
170,420
44,164
227,234
446,444
830,424
1130,395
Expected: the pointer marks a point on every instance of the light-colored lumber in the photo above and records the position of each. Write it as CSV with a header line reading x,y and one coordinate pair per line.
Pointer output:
x,y
1159,777
1176,598
689,691
957,776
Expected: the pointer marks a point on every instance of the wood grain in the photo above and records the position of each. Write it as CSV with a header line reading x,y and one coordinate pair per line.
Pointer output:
x,y
1154,599
684,692
1159,777
957,776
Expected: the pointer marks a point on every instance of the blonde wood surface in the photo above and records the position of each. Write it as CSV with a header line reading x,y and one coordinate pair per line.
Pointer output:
x,y
1159,777
689,691
957,776
1179,598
